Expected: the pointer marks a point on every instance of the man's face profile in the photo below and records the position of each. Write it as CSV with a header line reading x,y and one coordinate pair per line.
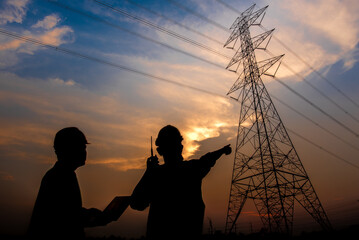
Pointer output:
x,y
79,154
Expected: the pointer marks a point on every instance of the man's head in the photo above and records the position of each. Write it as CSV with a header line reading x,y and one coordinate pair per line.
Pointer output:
x,y
70,146
169,142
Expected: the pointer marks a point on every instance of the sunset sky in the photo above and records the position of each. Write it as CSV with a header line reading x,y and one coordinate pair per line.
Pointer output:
x,y
43,90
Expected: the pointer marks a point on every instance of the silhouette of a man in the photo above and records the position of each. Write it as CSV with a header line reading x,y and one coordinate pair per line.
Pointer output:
x,y
173,190
58,211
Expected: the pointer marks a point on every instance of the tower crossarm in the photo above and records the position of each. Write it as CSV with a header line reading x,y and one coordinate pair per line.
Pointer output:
x,y
247,12
247,19
241,53
254,16
237,85
264,65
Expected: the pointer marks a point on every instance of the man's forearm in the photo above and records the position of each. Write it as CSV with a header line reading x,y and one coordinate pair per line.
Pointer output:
x,y
212,157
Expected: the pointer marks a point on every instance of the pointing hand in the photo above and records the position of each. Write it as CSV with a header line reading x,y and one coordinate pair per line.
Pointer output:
x,y
227,149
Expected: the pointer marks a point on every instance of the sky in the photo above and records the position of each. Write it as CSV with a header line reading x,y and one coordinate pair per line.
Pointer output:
x,y
173,81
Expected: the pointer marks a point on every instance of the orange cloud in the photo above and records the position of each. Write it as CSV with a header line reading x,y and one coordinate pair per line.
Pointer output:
x,y
48,22
55,36
341,28
119,132
13,11
14,44
318,39
6,176
50,35
121,164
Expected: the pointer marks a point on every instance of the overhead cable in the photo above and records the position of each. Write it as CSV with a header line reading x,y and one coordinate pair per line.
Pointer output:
x,y
151,24
323,149
317,89
149,75
316,71
159,28
149,39
315,123
220,26
300,58
317,107
298,75
132,32
136,3
98,60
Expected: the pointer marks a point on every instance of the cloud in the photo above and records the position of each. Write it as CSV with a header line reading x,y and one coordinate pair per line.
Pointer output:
x,y
48,22
14,44
106,120
321,32
120,164
199,116
118,129
350,59
8,58
332,19
13,11
45,31
55,36
60,81
198,131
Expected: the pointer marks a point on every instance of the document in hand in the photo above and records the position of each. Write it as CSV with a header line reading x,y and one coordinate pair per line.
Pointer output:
x,y
117,206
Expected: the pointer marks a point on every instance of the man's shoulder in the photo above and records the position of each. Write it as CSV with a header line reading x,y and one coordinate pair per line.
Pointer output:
x,y
50,173
55,174
49,177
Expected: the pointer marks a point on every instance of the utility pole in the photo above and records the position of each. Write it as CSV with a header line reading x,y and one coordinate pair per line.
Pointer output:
x,y
267,168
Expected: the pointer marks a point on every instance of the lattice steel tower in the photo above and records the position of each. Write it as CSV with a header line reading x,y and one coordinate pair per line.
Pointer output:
x,y
267,167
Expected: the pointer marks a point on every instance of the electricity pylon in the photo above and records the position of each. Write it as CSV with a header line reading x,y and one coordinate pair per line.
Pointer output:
x,y
267,167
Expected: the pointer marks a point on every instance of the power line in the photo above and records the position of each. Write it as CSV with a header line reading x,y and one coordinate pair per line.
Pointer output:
x,y
173,33
316,71
101,20
132,70
315,123
220,26
98,60
149,39
162,29
316,89
300,58
229,7
321,110
292,90
170,32
132,32
318,108
175,22
323,149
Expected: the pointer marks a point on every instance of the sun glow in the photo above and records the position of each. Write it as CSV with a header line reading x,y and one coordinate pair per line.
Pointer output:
x,y
200,133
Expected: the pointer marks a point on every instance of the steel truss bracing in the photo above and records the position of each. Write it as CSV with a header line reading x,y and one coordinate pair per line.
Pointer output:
x,y
267,167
